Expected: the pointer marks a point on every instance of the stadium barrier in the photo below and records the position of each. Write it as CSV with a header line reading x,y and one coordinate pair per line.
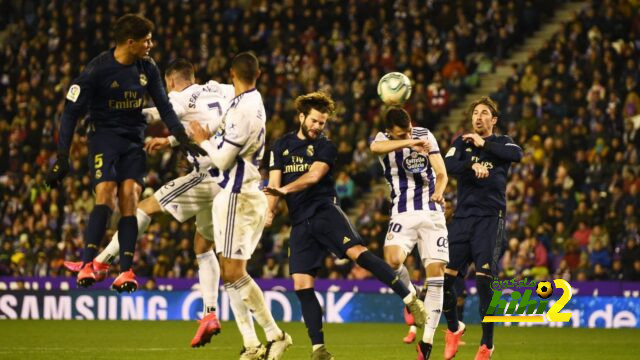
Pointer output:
x,y
343,301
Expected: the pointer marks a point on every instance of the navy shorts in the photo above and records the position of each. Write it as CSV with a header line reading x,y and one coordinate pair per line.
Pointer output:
x,y
328,229
478,239
114,158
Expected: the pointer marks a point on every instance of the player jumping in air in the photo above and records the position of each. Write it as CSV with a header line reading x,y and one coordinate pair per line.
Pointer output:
x,y
300,170
112,87
480,161
187,196
415,171
240,207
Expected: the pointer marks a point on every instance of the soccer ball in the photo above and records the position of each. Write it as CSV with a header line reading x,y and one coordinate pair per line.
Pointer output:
x,y
394,88
544,289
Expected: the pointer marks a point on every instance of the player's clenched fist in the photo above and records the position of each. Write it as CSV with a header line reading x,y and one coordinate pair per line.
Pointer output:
x,y
480,170
421,146
157,143
59,170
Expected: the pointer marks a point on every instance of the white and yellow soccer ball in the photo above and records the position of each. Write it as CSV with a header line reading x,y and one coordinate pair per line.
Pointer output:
x,y
394,88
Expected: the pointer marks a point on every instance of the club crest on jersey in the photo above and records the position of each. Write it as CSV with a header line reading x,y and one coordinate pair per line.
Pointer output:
x,y
285,153
143,79
310,150
415,163
73,93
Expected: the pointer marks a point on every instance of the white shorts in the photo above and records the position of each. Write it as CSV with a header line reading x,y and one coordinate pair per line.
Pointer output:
x,y
238,221
188,196
427,229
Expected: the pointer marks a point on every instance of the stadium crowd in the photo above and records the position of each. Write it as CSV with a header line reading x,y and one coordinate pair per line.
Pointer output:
x,y
571,203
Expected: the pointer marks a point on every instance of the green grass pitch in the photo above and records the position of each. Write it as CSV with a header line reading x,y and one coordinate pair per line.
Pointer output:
x,y
20,339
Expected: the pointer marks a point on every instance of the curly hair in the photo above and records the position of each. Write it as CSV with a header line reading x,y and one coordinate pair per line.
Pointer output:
x,y
316,100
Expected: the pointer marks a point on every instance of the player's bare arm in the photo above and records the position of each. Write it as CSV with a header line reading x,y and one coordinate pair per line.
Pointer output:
x,y
387,146
157,143
441,177
275,180
316,172
223,156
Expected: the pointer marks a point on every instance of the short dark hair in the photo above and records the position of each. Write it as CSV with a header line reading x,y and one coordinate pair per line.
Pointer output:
x,y
246,67
316,100
182,67
131,26
488,102
397,116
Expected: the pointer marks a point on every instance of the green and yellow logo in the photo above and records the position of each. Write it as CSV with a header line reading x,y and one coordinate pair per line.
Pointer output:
x,y
521,303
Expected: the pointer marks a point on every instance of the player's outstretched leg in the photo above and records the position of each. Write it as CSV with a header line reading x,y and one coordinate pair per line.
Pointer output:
x,y
96,228
128,191
277,340
433,306
251,347
455,328
209,279
483,283
105,258
311,313
383,272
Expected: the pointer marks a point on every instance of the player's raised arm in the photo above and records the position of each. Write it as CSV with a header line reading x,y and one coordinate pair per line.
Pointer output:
x,y
381,147
508,150
454,160
78,98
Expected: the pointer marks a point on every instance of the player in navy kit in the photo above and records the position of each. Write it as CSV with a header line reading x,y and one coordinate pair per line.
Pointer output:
x,y
301,166
480,161
112,87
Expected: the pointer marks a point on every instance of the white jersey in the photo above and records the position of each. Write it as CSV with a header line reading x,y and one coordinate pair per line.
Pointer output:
x,y
243,126
410,175
202,103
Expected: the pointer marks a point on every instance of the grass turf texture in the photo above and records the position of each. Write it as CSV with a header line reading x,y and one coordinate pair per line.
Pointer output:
x,y
30,339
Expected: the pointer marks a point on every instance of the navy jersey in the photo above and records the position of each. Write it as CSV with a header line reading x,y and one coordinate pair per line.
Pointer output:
x,y
114,95
482,197
294,157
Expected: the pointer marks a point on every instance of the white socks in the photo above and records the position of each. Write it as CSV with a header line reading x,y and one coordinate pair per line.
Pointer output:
x,y
243,317
433,307
111,251
403,276
253,299
209,278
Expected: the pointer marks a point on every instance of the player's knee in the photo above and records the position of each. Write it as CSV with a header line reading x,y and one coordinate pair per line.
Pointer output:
x,y
435,269
450,272
149,205
394,259
355,251
482,275
230,271
128,194
200,244
106,194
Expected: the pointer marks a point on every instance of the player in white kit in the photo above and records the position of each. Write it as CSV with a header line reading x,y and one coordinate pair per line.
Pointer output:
x,y
416,173
240,207
187,196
